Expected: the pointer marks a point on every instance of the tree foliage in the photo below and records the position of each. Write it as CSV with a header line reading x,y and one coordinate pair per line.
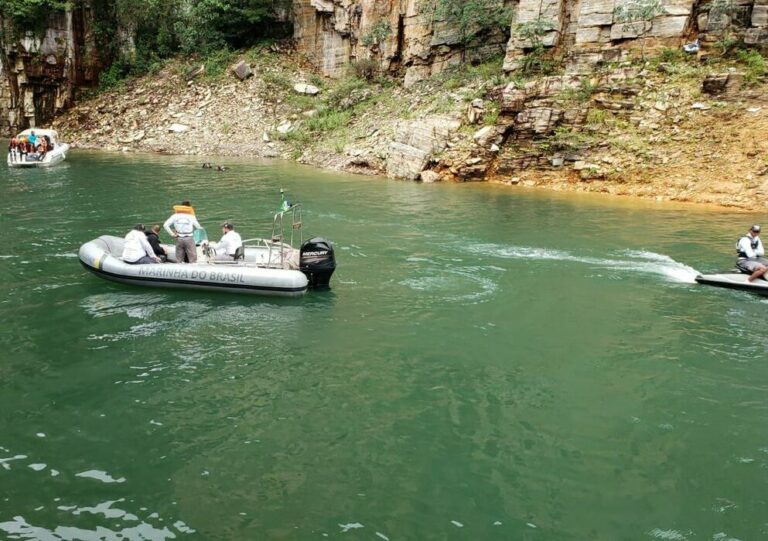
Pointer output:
x,y
472,18
533,33
30,15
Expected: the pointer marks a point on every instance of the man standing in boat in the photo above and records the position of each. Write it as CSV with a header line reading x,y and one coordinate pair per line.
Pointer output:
x,y
751,251
184,223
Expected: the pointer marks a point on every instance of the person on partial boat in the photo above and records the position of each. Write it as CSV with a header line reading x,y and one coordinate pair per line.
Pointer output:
x,y
184,224
13,150
230,241
751,251
136,250
153,237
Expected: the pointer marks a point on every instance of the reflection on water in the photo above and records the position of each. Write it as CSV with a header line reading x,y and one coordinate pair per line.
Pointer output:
x,y
489,364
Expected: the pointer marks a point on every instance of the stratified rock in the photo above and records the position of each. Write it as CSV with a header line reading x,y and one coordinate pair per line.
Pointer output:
x,y
416,142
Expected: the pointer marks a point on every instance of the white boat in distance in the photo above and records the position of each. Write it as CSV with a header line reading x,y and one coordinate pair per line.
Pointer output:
x,y
56,152
270,266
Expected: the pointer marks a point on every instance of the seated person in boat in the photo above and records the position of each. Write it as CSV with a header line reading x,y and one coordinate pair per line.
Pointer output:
x,y
137,250
13,149
153,237
229,243
48,142
22,145
751,254
42,148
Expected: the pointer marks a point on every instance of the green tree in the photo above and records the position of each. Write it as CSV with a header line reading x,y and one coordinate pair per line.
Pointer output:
x,y
472,18
638,15
30,15
533,32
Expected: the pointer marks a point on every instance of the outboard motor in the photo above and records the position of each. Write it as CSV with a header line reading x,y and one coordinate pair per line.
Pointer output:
x,y
317,261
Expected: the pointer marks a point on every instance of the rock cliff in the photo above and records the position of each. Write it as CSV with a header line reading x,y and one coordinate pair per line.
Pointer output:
x,y
40,73
404,38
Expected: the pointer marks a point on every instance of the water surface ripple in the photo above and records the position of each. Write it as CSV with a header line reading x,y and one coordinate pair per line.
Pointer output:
x,y
490,364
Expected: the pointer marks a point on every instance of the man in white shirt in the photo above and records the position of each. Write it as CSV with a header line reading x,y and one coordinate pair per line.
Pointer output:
x,y
751,251
137,250
184,224
229,243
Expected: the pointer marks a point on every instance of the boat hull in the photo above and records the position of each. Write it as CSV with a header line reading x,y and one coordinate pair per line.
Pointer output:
x,y
101,257
53,157
734,281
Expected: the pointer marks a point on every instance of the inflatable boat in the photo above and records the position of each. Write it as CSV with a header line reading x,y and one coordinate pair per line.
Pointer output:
x,y
734,280
55,151
262,266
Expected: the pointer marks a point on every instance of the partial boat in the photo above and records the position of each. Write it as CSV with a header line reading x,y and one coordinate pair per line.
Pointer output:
x,y
734,280
26,157
272,266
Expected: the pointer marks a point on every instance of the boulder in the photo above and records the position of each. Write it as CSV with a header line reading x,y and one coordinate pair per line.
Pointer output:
x,y
178,128
303,88
429,176
242,70
722,83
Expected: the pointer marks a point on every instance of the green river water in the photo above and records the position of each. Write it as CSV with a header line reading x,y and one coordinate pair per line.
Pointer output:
x,y
490,363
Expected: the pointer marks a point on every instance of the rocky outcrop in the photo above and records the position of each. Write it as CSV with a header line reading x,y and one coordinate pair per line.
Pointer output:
x,y
398,35
416,143
405,40
587,31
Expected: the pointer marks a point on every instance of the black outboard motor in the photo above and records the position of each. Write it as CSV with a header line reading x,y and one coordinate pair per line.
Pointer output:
x,y
317,261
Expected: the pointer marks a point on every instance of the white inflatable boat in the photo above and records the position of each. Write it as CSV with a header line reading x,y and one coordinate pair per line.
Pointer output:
x,y
56,152
262,266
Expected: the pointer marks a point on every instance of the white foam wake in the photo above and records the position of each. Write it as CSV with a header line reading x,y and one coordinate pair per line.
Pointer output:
x,y
630,260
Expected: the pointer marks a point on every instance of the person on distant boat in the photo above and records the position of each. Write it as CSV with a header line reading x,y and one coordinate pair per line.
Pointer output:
x,y
221,168
23,148
32,140
751,251
229,243
153,237
207,165
184,224
136,250
42,148
13,149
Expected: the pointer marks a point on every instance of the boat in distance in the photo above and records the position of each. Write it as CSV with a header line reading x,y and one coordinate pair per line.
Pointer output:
x,y
262,266
734,280
45,154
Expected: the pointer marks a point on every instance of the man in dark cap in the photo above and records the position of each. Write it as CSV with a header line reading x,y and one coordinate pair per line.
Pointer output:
x,y
751,252
230,241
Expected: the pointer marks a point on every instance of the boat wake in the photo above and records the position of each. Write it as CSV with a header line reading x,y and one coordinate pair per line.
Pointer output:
x,y
630,260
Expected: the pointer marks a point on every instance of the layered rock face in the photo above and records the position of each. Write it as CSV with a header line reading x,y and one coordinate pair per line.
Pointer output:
x,y
404,38
586,31
39,74
398,34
